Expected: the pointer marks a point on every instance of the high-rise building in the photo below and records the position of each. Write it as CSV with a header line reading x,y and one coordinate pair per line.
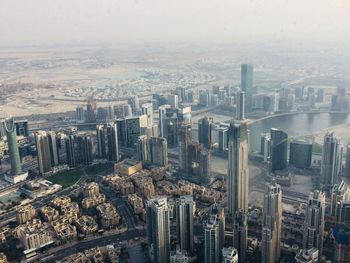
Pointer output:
x,y
15,160
340,193
158,151
184,141
173,100
22,128
332,156
204,98
184,114
341,235
279,150
272,223
265,146
240,105
91,107
184,211
112,142
230,255
343,212
101,141
206,131
181,92
134,103
314,222
161,120
84,149
247,85
129,129
70,151
46,150
205,164
238,171
142,149
147,109
80,114
158,229
223,138
347,162
300,153
240,234
214,236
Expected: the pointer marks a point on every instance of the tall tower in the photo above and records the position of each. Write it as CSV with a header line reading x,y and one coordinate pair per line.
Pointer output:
x,y
158,151
9,125
185,207
205,131
332,156
247,85
101,141
205,164
238,172
184,141
161,120
113,143
158,229
214,235
240,105
279,150
272,223
314,222
240,234
70,151
147,109
142,149
45,147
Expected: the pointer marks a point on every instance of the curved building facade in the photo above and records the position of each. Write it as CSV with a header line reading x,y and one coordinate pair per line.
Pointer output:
x,y
13,146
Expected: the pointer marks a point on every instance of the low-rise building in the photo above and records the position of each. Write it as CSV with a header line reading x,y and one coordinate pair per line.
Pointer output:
x,y
25,214
3,258
86,225
65,232
136,202
127,167
108,215
91,189
61,201
92,201
49,213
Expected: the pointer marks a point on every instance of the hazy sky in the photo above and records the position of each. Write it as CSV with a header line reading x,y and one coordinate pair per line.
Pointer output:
x,y
38,22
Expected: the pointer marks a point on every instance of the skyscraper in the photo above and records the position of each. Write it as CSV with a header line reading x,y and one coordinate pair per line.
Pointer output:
x,y
240,234
101,141
161,120
147,109
240,105
158,229
247,85
238,171
173,100
340,193
332,157
80,114
279,150
205,131
112,142
205,164
84,149
134,103
46,150
347,162
314,222
70,151
158,151
214,236
15,160
300,153
184,210
142,149
22,128
184,141
272,223
91,111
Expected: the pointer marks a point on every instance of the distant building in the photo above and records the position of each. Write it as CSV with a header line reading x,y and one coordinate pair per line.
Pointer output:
x,y
22,128
300,154
247,85
279,150
265,146
147,109
134,103
113,142
80,114
184,141
332,156
206,131
15,160
240,105
173,100
101,141
347,163
205,164
204,98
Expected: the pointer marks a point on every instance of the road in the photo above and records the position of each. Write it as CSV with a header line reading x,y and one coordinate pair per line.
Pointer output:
x,y
72,248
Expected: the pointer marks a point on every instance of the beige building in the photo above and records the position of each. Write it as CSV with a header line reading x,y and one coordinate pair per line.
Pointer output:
x,y
92,201
127,167
86,225
25,214
108,215
136,202
60,201
3,258
65,232
49,214
91,189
